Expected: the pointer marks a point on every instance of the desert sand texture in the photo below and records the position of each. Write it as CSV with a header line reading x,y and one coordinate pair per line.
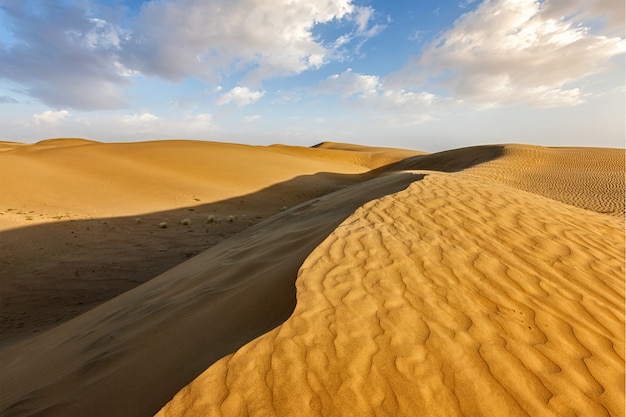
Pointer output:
x,y
119,247
468,293
456,283
79,219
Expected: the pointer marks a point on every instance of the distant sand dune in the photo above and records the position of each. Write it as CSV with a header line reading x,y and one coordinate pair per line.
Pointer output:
x,y
480,281
77,178
589,178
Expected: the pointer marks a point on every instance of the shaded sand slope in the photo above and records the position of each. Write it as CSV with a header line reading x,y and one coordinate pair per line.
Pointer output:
x,y
51,272
68,239
130,355
457,296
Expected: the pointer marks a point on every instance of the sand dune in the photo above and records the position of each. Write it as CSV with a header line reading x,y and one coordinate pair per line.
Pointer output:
x,y
458,296
77,178
79,219
477,281
105,362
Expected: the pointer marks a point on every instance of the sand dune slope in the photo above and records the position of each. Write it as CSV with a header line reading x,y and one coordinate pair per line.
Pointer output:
x,y
90,212
589,178
130,355
476,281
77,178
458,296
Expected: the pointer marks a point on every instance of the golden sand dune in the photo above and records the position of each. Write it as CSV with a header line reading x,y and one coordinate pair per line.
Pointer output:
x,y
457,296
589,178
447,284
77,178
130,355
79,219
106,361
366,156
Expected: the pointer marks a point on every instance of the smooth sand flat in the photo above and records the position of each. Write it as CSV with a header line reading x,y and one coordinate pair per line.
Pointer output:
x,y
458,296
443,285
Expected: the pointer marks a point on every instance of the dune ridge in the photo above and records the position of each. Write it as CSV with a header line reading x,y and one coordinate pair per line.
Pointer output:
x,y
79,219
457,296
131,354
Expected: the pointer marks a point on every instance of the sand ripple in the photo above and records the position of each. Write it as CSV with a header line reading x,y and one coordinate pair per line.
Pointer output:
x,y
458,296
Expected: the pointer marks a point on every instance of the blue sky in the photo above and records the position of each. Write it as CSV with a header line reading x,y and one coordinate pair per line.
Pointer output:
x,y
426,75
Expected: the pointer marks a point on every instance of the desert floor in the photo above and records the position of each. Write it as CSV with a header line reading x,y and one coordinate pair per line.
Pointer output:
x,y
333,280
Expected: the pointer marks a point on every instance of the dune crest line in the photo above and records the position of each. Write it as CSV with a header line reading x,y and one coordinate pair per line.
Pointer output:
x,y
131,354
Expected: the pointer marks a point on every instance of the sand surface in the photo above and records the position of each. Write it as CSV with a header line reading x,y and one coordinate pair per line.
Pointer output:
x,y
480,281
79,219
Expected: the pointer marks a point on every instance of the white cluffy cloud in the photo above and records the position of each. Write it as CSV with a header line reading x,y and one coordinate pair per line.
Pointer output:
x,y
400,106
513,51
50,117
242,96
66,56
138,119
263,38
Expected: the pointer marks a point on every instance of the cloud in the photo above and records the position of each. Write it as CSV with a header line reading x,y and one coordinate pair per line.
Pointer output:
x,y
198,122
242,96
609,10
138,119
253,118
512,51
207,40
368,92
76,54
466,3
362,18
349,84
63,57
50,117
147,125
8,100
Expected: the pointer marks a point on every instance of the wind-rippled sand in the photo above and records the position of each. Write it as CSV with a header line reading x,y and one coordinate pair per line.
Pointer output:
x,y
456,296
477,281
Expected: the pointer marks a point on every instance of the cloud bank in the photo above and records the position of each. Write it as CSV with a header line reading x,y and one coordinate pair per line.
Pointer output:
x,y
368,92
63,57
516,51
67,54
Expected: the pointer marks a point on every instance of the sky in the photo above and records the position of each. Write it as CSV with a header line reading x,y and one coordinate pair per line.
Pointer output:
x,y
426,75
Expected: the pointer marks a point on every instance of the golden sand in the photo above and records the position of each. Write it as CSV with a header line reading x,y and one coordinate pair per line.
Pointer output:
x,y
480,281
